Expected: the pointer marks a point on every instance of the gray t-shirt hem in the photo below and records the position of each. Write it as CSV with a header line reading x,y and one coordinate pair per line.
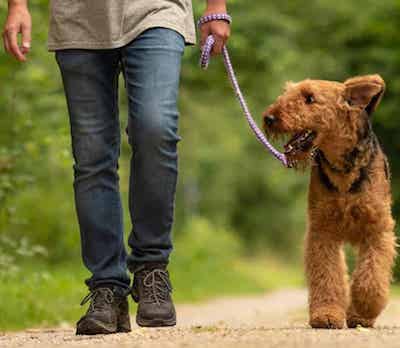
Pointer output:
x,y
190,39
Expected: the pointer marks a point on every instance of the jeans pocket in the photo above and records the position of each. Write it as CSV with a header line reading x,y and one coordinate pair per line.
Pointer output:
x,y
173,39
160,38
70,59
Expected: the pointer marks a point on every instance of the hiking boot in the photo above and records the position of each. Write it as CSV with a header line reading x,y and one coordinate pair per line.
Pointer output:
x,y
108,312
152,291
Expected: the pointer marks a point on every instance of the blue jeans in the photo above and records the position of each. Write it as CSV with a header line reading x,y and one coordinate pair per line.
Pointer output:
x,y
151,68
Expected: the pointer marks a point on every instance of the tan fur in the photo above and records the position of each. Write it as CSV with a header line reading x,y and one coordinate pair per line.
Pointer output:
x,y
349,197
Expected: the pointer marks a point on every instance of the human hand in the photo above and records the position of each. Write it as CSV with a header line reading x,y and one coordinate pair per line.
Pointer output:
x,y
219,29
18,23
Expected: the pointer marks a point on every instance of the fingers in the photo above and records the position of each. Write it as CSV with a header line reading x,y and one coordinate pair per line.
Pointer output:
x,y
26,38
10,37
204,32
5,43
220,30
14,48
218,45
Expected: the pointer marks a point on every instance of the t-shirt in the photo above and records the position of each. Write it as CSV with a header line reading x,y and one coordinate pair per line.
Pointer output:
x,y
102,24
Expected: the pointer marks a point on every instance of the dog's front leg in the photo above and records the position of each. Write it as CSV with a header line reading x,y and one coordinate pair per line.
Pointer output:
x,y
327,280
371,279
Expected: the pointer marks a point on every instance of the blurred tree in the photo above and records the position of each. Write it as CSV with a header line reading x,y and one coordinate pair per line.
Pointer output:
x,y
226,176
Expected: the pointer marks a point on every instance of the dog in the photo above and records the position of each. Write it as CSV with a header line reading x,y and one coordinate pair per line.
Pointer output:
x,y
349,199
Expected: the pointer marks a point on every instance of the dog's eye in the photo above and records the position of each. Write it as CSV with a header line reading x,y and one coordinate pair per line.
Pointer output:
x,y
309,98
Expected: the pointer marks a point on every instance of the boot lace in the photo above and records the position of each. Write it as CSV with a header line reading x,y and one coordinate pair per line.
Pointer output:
x,y
156,286
99,298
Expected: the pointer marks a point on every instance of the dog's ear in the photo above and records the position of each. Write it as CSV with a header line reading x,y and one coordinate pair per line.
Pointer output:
x,y
365,92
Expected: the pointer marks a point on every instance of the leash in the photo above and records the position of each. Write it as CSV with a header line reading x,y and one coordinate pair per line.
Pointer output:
x,y
205,60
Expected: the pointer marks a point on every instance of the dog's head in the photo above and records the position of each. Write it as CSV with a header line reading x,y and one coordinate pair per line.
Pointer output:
x,y
322,114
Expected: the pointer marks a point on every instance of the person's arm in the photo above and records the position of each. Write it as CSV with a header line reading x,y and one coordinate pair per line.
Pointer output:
x,y
18,22
219,29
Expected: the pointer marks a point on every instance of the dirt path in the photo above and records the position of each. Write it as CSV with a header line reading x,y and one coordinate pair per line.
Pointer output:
x,y
274,320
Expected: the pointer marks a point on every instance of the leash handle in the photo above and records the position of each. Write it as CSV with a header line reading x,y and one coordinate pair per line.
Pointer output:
x,y
204,62
210,41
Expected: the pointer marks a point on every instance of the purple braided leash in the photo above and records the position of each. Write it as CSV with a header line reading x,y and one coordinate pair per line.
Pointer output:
x,y
205,60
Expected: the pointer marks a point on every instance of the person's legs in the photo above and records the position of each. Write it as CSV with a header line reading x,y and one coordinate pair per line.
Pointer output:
x,y
91,86
151,66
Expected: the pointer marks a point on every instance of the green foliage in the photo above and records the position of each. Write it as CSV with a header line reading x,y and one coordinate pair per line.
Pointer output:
x,y
273,42
204,265
225,176
206,252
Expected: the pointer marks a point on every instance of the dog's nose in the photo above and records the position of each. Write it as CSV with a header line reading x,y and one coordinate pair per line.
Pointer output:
x,y
269,120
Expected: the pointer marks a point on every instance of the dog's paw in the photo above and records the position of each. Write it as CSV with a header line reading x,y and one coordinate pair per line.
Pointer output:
x,y
354,320
331,317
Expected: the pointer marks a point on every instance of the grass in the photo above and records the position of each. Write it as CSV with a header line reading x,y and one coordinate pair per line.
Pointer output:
x,y
395,290
208,262
44,295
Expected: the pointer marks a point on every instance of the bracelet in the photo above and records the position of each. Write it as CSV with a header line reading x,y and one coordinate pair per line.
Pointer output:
x,y
214,17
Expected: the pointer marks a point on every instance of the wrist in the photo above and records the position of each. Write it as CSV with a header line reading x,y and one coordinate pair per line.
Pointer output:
x,y
17,4
213,10
216,6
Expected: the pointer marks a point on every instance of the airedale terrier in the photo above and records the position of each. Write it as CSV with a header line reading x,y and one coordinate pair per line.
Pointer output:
x,y
349,195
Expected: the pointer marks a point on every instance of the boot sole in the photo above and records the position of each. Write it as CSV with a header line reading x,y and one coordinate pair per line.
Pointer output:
x,y
124,329
95,327
156,322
